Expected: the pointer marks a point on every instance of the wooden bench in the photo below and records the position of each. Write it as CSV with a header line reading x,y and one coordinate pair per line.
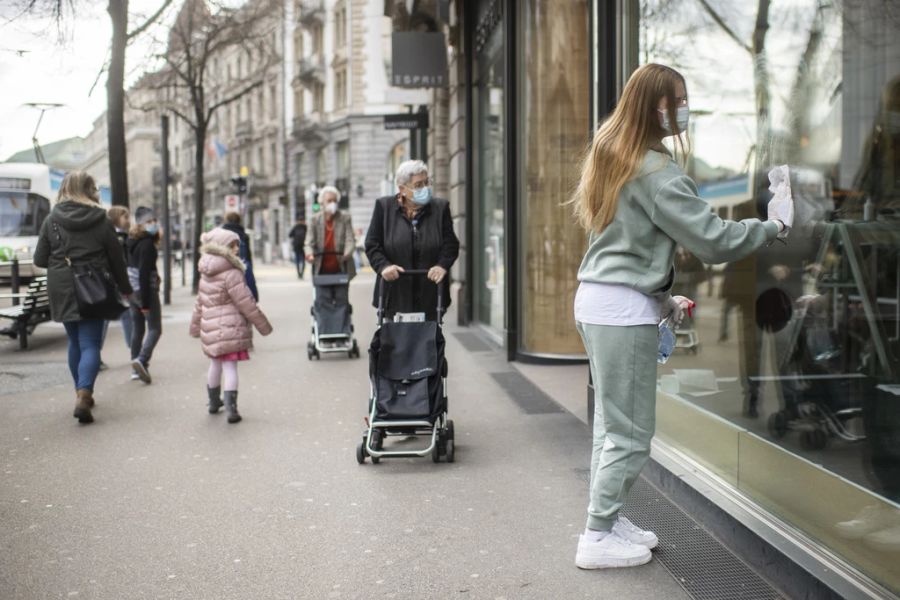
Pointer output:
x,y
33,309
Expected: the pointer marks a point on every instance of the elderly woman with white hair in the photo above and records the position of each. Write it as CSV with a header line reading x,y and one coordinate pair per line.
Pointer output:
x,y
412,230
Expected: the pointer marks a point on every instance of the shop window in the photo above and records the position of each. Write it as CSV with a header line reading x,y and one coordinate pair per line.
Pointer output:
x,y
554,133
794,352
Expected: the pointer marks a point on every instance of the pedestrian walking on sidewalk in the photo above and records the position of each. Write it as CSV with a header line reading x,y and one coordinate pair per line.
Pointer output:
x,y
222,318
638,204
233,224
78,233
412,230
121,220
298,239
146,310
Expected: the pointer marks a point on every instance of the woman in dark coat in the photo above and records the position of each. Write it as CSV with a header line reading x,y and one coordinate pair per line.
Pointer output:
x,y
84,234
411,230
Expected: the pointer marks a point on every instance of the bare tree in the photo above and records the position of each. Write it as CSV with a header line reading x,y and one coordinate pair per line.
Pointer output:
x,y
193,87
115,81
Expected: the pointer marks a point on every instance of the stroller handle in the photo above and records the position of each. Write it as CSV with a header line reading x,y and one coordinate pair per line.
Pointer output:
x,y
382,284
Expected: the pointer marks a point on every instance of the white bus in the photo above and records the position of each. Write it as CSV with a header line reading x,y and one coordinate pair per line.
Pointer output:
x,y
27,193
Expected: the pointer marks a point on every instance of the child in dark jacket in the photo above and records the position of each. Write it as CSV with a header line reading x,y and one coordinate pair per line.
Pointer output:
x,y
146,311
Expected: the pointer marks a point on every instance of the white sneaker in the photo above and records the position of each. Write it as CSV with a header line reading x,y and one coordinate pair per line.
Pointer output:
x,y
627,530
135,376
610,552
886,540
870,519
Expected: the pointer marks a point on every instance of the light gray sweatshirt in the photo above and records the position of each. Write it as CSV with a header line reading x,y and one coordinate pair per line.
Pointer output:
x,y
658,209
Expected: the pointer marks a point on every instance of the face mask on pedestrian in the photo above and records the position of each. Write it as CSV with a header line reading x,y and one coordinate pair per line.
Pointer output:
x,y
681,119
152,228
331,208
422,196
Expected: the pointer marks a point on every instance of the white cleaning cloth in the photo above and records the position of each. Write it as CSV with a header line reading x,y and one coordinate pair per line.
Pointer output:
x,y
781,206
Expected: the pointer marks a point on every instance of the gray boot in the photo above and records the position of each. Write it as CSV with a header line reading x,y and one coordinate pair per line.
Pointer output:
x,y
215,399
230,399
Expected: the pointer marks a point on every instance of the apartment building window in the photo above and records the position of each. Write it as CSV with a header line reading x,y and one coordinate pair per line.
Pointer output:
x,y
273,102
260,160
340,26
298,103
340,88
273,149
319,98
317,40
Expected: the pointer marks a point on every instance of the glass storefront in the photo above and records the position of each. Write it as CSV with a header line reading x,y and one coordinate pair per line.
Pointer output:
x,y
554,116
489,278
787,382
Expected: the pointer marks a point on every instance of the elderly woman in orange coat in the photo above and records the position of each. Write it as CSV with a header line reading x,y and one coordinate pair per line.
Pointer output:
x,y
223,315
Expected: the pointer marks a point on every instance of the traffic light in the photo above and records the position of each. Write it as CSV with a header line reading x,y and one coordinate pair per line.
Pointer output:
x,y
240,184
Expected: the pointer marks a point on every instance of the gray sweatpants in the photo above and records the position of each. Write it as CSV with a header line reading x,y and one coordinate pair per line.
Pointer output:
x,y
623,365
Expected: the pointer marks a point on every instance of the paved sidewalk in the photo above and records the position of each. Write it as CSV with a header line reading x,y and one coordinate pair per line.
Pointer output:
x,y
158,499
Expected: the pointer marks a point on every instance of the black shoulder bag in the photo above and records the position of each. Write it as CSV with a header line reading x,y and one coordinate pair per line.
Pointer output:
x,y
95,289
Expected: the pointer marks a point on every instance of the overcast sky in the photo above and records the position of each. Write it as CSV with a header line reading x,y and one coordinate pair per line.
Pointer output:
x,y
57,70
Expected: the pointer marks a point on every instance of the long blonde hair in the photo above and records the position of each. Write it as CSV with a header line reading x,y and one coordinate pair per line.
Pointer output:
x,y
621,142
80,187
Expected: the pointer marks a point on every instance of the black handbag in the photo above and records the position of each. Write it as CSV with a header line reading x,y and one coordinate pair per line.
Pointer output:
x,y
95,290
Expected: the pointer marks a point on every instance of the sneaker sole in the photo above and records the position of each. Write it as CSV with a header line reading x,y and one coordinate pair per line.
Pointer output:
x,y
142,372
613,563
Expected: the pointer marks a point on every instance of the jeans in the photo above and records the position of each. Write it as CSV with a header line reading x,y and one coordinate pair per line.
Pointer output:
x,y
142,345
127,326
85,339
623,365
299,261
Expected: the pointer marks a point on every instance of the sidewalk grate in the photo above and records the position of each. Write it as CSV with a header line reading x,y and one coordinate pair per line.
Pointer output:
x,y
705,568
528,396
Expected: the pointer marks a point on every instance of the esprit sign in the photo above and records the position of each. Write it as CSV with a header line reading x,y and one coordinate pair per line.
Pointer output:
x,y
419,59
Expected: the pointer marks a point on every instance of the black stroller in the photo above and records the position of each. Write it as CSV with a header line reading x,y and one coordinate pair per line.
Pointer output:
x,y
408,384
332,326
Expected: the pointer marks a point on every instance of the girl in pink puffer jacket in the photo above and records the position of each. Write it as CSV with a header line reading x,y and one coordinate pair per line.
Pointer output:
x,y
222,317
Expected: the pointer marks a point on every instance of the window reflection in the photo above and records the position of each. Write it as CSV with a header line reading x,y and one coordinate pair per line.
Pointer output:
x,y
799,344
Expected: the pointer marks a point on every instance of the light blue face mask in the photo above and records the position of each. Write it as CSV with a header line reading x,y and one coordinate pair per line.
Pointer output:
x,y
152,229
422,196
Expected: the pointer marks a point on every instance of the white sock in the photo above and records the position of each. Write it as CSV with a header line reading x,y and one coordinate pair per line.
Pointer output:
x,y
594,535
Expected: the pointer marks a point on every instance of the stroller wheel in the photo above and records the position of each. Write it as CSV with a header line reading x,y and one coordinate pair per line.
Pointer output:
x,y
310,350
450,451
813,440
778,425
361,454
450,433
436,453
354,351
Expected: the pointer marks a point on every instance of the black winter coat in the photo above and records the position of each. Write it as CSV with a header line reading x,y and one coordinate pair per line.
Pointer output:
x,y
91,240
142,255
393,239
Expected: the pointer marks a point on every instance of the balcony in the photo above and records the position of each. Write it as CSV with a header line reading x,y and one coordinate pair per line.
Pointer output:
x,y
311,13
309,130
311,70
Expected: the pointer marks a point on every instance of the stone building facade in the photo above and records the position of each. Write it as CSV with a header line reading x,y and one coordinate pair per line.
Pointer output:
x,y
340,94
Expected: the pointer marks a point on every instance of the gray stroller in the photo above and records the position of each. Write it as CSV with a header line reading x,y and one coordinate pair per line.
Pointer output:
x,y
332,323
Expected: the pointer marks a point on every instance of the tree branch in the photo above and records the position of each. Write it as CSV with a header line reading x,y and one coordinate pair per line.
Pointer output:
x,y
721,23
150,21
233,98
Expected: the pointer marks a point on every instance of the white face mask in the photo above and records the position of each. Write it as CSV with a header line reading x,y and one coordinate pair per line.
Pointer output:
x,y
681,117
331,208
